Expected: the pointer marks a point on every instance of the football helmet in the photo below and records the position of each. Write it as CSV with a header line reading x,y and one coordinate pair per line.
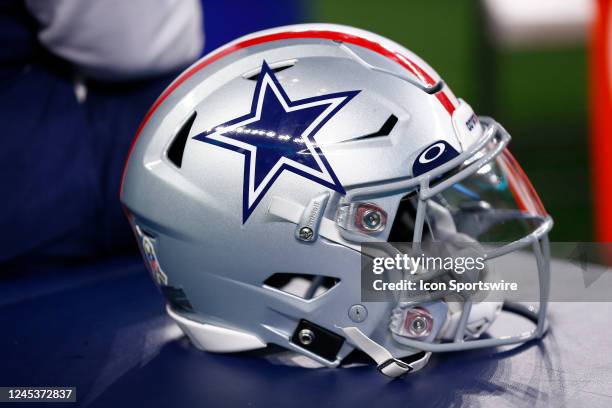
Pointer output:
x,y
258,175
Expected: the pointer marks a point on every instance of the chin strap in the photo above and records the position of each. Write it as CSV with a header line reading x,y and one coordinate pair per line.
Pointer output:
x,y
387,364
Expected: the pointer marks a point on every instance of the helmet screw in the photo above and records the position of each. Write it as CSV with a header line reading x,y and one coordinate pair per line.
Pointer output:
x,y
306,233
372,220
358,313
306,336
418,322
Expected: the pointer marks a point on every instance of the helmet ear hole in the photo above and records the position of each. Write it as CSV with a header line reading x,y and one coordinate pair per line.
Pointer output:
x,y
301,285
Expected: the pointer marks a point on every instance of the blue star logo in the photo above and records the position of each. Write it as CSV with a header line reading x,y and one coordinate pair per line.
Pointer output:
x,y
278,135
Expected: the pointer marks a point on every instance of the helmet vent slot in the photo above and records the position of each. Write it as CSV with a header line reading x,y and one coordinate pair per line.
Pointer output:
x,y
385,130
301,285
253,75
177,147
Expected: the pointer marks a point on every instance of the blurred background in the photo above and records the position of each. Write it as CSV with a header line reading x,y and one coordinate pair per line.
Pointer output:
x,y
523,62
70,108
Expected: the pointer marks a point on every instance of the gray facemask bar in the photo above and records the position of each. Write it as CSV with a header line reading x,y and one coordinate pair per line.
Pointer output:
x,y
542,254
538,240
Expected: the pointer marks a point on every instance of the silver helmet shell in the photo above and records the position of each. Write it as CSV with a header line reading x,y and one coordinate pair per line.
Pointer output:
x,y
216,223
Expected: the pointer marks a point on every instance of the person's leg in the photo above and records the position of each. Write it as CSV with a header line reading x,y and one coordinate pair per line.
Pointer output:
x,y
48,182
60,166
114,114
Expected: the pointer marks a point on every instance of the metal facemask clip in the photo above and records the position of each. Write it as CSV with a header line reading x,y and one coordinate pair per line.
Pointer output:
x,y
307,217
387,364
308,225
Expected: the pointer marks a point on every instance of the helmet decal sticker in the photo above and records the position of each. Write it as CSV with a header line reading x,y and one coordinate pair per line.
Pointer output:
x,y
148,249
277,135
433,156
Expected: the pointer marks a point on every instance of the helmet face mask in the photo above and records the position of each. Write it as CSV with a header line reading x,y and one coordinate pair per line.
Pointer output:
x,y
296,146
451,210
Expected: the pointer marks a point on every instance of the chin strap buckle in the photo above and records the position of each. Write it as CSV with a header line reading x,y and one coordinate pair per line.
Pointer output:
x,y
387,364
394,368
